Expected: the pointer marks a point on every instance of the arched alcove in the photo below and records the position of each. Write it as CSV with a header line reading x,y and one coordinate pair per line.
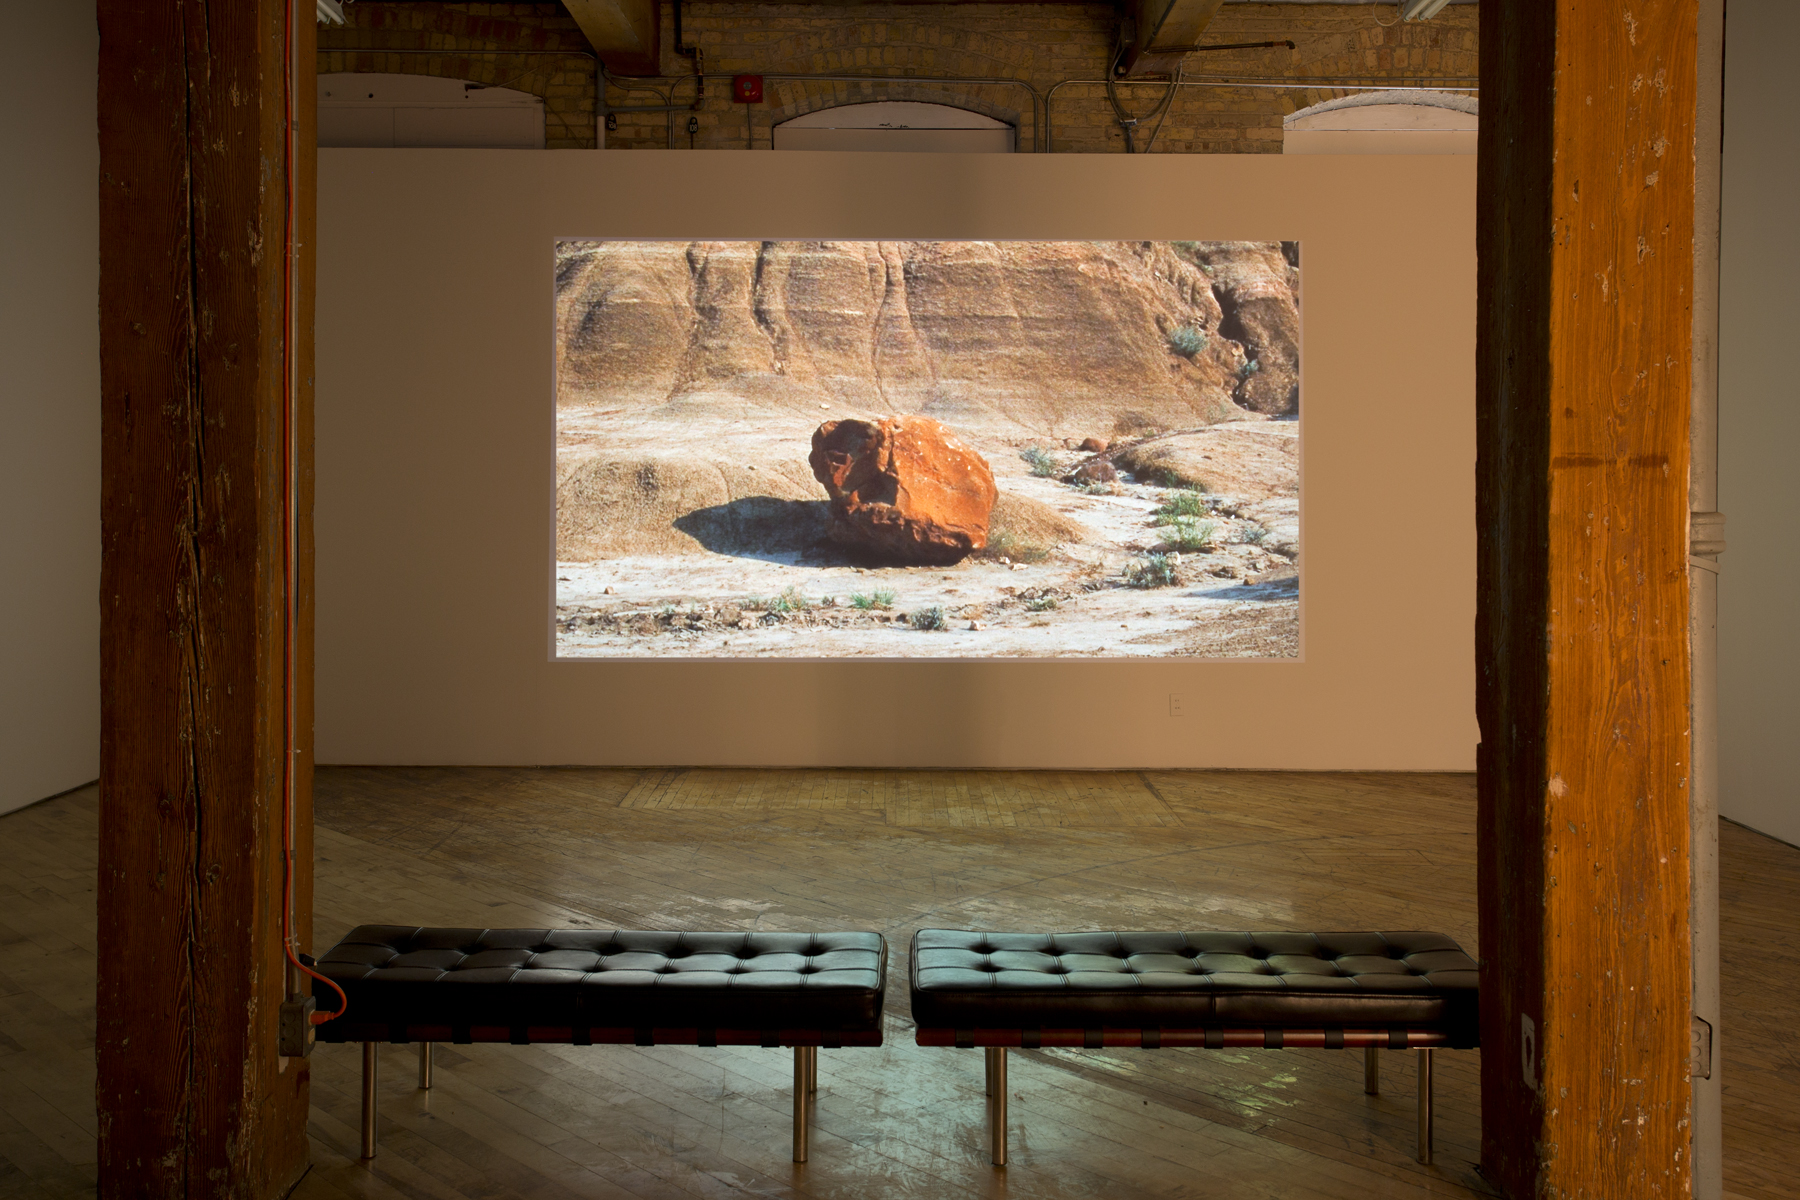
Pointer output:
x,y
369,109
896,125
1390,122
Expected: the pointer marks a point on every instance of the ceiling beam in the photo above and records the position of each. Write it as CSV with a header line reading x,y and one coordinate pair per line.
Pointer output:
x,y
1162,32
625,34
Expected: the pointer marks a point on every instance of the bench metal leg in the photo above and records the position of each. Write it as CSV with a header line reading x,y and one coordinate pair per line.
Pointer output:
x,y
996,1073
1425,1104
370,1063
806,1066
425,1066
1372,1070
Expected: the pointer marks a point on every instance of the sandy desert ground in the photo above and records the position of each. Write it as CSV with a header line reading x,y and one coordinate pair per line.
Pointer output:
x,y
692,376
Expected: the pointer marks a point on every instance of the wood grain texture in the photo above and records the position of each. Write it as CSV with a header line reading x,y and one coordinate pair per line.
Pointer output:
x,y
513,1121
192,1098
1585,233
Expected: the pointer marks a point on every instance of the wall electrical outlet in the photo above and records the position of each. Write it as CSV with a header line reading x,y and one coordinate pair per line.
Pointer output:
x,y
1178,704
296,1027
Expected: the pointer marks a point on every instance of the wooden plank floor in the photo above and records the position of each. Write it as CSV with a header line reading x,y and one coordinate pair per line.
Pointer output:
x,y
892,851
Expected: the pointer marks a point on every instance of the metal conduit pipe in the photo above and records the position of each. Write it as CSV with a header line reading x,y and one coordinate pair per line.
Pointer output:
x,y
1049,145
599,71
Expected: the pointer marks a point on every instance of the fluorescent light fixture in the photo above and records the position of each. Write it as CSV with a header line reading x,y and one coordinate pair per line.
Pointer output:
x,y
1410,10
331,12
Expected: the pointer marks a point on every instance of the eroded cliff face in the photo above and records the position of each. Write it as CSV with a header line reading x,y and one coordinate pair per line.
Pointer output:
x,y
1048,339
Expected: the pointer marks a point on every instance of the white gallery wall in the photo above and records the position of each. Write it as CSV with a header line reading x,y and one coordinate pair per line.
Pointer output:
x,y
1759,422
49,402
435,468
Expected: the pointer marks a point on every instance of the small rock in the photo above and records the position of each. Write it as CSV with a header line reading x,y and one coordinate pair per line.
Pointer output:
x,y
609,592
1018,566
562,579
1096,470
1005,561
977,626
1094,445
746,623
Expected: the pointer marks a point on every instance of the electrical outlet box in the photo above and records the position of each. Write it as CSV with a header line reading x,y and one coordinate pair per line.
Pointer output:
x,y
1178,704
296,1026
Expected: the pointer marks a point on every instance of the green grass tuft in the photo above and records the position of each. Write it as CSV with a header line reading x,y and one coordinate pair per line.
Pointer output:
x,y
1185,533
879,598
1185,504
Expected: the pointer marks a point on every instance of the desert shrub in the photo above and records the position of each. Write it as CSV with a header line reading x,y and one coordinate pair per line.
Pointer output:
x,y
1250,368
1185,533
1039,460
1188,341
789,601
1041,604
1187,503
1096,489
1254,534
879,598
1003,543
1155,571
929,618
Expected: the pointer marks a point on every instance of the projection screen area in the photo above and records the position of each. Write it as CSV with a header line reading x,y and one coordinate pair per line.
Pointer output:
x,y
927,449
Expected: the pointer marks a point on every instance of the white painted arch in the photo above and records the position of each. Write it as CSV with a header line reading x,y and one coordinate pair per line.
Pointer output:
x,y
374,109
1386,122
904,125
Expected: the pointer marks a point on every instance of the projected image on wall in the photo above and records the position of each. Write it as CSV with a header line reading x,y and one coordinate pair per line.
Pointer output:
x,y
927,449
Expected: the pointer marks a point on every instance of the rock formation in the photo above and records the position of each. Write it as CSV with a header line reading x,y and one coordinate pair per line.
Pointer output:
x,y
1048,339
904,488
1258,285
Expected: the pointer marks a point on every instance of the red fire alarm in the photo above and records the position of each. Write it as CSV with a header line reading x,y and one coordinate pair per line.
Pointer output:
x,y
746,89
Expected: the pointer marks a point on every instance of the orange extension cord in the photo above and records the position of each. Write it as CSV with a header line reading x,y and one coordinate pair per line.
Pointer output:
x,y
290,561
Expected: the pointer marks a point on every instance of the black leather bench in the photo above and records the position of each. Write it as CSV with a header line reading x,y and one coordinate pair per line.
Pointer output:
x,y
604,987
1208,990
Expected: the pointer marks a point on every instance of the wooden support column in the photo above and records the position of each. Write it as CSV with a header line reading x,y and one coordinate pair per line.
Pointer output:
x,y
193,1098
1585,237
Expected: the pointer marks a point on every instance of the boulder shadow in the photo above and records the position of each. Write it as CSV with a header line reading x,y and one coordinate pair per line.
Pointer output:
x,y
1274,589
763,527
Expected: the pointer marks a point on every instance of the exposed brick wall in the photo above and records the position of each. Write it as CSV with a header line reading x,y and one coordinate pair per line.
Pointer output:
x,y
1040,44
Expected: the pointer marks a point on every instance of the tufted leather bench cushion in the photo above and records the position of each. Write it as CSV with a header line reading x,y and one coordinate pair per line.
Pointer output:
x,y
405,982
963,979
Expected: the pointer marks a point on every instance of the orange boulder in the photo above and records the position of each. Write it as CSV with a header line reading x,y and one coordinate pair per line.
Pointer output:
x,y
904,488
